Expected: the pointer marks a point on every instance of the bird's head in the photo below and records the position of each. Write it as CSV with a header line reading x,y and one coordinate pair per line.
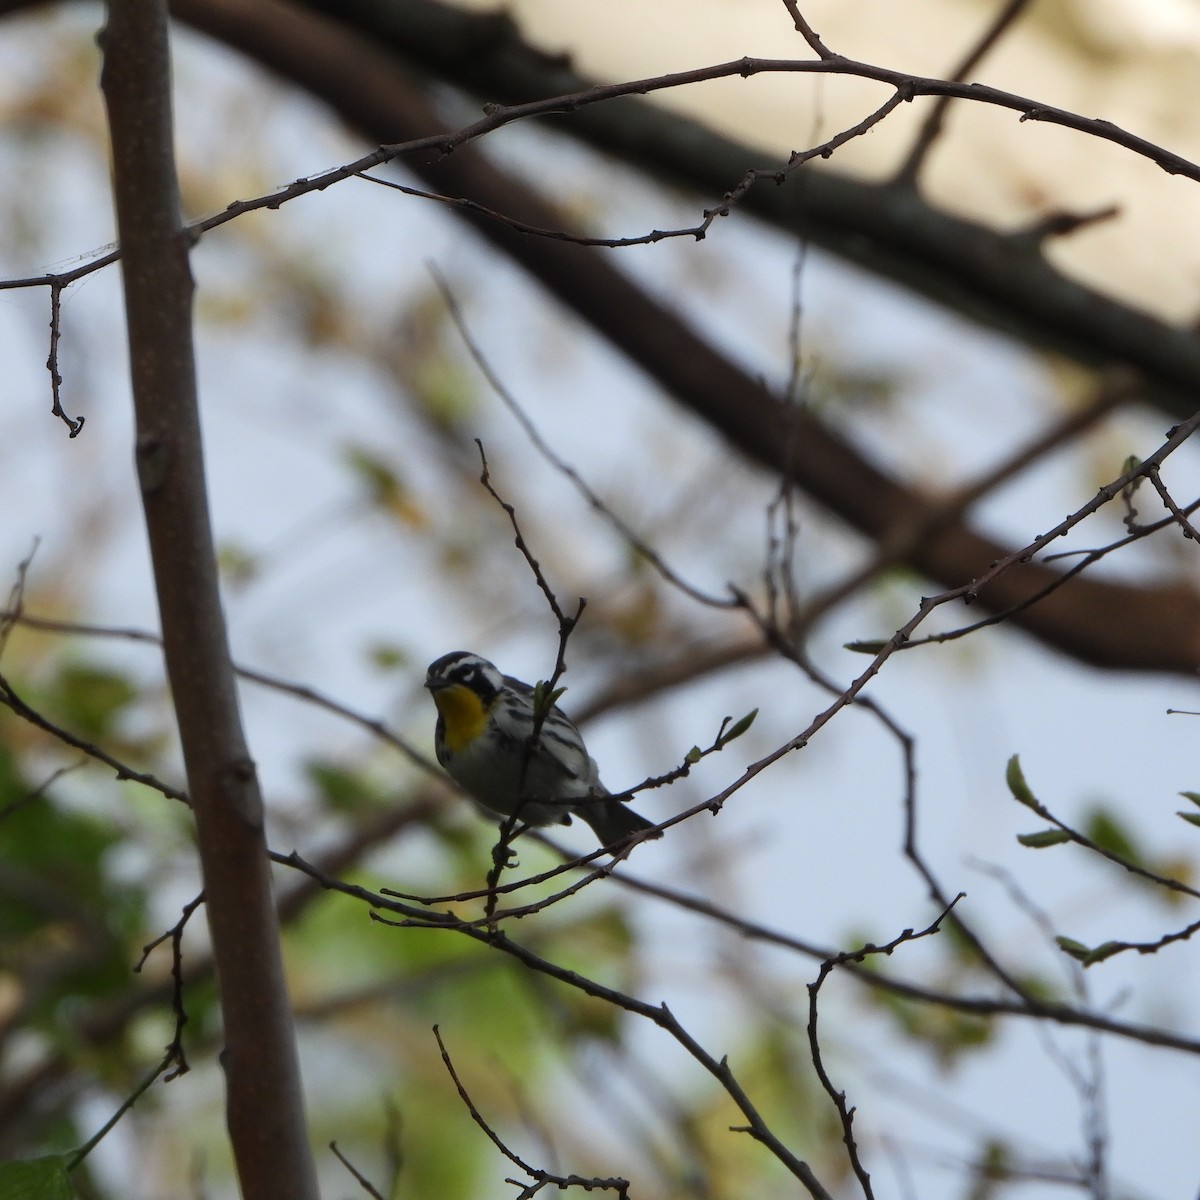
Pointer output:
x,y
464,686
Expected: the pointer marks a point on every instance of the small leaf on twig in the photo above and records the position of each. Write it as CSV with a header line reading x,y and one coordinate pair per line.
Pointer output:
x,y
865,647
1015,778
543,700
1190,817
1073,948
737,729
1194,797
1107,950
1046,837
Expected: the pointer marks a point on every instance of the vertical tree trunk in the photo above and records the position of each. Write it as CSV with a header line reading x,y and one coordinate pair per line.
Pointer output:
x,y
265,1108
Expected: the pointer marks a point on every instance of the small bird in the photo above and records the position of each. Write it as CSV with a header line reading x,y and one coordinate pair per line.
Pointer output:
x,y
484,726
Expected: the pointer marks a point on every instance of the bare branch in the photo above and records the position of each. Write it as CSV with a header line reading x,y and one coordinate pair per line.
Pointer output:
x,y
932,127
175,1048
806,30
539,1177
363,1182
134,1096
845,1112
565,623
412,917
560,464
1189,530
10,699
73,424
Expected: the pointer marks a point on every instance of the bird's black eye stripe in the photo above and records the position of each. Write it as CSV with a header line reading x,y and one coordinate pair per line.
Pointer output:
x,y
468,670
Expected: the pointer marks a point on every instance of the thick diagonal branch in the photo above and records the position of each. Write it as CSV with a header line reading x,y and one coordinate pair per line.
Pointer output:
x,y
1000,279
1104,623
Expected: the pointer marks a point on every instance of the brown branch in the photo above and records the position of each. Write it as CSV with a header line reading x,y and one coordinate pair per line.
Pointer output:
x,y
888,231
560,464
363,1182
932,127
806,31
540,1177
301,691
1035,1008
1108,624
175,1051
410,917
73,424
13,702
265,1105
989,276
846,1112
1181,519
1113,624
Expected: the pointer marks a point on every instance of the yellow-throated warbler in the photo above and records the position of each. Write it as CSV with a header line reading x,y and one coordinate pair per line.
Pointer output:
x,y
485,723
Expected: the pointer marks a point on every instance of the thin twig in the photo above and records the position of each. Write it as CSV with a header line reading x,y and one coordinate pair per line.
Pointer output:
x,y
561,465
15,607
1117,388
660,1014
844,1111
539,1177
10,699
1189,530
522,545
175,933
125,1106
932,126
14,806
73,424
300,691
363,1182
1036,1009
806,30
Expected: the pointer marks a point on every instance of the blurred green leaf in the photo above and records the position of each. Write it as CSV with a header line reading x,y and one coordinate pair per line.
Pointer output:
x,y
384,485
1131,463
36,1179
446,391
991,1168
387,656
1190,817
88,698
66,926
947,1033
238,566
342,788
1110,833
1040,988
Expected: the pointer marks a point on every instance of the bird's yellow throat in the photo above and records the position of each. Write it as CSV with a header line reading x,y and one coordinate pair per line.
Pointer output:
x,y
463,713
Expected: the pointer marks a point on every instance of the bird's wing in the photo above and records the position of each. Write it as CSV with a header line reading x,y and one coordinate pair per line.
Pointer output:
x,y
559,740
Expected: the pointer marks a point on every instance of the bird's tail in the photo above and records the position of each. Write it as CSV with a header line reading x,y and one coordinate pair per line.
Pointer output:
x,y
612,821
